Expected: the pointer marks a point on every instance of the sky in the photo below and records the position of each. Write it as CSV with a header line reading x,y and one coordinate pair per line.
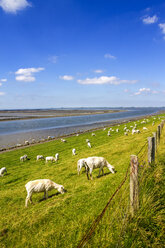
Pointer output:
x,y
82,53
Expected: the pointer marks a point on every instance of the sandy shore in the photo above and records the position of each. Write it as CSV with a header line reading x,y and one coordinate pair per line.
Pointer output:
x,y
8,115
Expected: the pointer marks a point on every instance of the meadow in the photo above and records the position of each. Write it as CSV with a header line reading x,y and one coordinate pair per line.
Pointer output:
x,y
61,220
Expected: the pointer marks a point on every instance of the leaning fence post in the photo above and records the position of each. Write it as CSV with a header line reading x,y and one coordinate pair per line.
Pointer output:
x,y
151,149
155,137
158,134
134,187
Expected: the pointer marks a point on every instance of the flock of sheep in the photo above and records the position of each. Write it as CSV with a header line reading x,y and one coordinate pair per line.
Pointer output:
x,y
90,163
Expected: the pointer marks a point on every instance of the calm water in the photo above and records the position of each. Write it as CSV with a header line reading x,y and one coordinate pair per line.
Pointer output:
x,y
12,132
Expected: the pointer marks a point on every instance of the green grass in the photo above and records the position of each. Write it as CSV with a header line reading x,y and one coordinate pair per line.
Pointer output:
x,y
62,220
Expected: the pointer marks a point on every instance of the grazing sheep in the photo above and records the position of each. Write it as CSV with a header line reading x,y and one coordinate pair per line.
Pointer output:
x,y
41,185
77,134
73,151
97,162
23,158
117,130
80,164
49,137
51,158
89,144
145,128
40,157
93,134
63,140
18,145
104,129
125,133
26,142
109,134
57,156
33,140
87,140
2,171
125,128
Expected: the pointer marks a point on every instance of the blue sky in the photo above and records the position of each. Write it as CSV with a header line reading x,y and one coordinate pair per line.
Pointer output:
x,y
82,53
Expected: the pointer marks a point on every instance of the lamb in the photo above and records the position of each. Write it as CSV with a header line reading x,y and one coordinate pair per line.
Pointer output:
x,y
40,157
97,162
73,151
2,171
50,158
80,163
57,156
41,185
89,144
23,158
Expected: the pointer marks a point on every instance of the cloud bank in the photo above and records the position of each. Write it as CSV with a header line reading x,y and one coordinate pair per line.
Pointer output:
x,y
12,6
150,20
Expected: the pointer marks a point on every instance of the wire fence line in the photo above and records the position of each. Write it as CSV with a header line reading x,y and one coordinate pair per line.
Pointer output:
x,y
108,229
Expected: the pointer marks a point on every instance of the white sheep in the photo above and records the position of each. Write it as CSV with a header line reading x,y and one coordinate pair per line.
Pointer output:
x,y
40,157
89,144
41,185
2,171
49,137
93,134
23,158
63,140
97,162
117,130
73,151
109,134
50,158
125,133
87,140
145,128
57,156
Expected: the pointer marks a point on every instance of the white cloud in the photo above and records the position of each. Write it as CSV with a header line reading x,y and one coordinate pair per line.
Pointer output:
x,y
162,27
2,93
142,90
105,80
0,84
66,77
109,56
3,80
26,74
98,71
53,59
13,6
150,20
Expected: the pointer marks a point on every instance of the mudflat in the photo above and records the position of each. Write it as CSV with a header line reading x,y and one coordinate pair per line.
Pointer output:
x,y
7,115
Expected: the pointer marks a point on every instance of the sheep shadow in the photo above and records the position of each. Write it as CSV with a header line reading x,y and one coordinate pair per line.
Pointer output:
x,y
50,196
105,174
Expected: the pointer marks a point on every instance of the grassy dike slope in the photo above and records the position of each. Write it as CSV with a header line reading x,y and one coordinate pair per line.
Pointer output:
x,y
61,220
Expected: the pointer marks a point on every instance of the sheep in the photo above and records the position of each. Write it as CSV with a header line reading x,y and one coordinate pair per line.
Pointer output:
x,y
104,129
50,158
109,134
80,164
23,158
33,140
125,133
40,157
97,162
2,171
125,128
26,142
117,130
41,185
89,144
77,134
18,145
73,151
145,128
87,140
93,134
57,156
63,140
49,137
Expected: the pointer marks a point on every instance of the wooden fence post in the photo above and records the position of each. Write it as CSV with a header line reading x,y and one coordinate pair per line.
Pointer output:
x,y
155,137
158,134
134,187
151,149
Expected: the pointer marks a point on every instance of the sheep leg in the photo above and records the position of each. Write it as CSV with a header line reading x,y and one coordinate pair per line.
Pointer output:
x,y
102,171
99,171
91,173
45,195
28,198
87,171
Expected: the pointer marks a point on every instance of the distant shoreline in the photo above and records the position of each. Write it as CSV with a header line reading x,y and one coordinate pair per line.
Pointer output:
x,y
12,115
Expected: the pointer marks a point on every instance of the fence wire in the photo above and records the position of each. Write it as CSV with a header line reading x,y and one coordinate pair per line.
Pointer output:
x,y
108,229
